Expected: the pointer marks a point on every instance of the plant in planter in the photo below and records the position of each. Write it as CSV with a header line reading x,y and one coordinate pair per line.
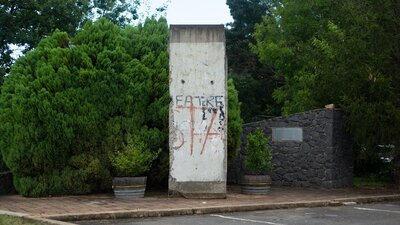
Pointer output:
x,y
258,164
129,166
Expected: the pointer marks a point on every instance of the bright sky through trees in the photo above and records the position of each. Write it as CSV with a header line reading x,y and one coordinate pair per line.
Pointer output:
x,y
178,12
196,11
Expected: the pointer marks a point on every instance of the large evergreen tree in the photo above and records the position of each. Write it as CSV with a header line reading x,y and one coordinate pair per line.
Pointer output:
x,y
70,102
251,78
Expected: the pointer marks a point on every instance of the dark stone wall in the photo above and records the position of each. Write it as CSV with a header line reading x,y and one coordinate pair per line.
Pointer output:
x,y
324,159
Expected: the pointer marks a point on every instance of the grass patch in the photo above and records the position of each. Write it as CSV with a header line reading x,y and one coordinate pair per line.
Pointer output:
x,y
372,182
12,220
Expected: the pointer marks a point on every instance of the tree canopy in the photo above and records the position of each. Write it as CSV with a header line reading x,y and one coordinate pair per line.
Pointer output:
x,y
120,12
25,23
342,52
251,78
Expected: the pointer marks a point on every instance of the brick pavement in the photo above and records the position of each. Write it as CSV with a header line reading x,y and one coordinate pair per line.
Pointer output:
x,y
106,206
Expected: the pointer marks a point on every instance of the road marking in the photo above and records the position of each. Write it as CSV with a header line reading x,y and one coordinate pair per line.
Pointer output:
x,y
391,205
377,210
246,220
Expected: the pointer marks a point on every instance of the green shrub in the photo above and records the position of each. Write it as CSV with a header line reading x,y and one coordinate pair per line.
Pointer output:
x,y
70,102
258,153
134,159
235,122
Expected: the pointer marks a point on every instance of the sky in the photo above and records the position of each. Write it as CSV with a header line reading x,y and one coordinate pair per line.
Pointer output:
x,y
195,11
179,12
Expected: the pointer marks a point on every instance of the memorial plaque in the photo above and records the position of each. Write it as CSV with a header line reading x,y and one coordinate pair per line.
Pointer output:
x,y
287,134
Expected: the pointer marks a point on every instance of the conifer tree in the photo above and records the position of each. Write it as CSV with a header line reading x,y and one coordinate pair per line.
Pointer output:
x,y
70,102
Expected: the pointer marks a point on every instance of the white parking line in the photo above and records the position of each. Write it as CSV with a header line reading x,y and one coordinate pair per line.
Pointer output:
x,y
246,220
377,210
330,215
349,203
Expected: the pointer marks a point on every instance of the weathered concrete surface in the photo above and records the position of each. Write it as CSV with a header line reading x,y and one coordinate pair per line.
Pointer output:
x,y
198,111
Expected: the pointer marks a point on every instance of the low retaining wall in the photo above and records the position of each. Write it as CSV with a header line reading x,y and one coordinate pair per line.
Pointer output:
x,y
310,149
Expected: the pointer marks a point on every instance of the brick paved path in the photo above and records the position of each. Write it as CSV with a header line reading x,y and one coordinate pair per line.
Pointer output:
x,y
54,207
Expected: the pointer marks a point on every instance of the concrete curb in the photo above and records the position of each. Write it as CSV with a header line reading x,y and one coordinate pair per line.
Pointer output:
x,y
221,209
34,219
188,211
370,199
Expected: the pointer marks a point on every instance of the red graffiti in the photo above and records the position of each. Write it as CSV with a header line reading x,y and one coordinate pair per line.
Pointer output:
x,y
192,110
208,131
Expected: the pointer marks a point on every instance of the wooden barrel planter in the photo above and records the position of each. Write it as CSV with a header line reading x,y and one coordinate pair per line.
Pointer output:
x,y
255,184
129,187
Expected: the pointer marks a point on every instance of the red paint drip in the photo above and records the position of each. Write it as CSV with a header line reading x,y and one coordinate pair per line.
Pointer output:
x,y
192,111
208,132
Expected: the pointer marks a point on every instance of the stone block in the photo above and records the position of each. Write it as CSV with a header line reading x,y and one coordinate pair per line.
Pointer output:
x,y
198,111
324,155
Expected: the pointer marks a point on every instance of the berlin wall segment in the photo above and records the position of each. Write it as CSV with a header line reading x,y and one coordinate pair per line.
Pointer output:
x,y
198,111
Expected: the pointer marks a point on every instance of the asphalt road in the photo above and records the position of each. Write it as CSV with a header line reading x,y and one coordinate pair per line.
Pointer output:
x,y
387,213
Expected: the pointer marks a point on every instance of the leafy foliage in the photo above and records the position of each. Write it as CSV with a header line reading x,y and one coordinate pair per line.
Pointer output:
x,y
251,77
120,12
258,153
345,53
235,122
25,23
255,95
245,14
3,166
134,160
67,105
